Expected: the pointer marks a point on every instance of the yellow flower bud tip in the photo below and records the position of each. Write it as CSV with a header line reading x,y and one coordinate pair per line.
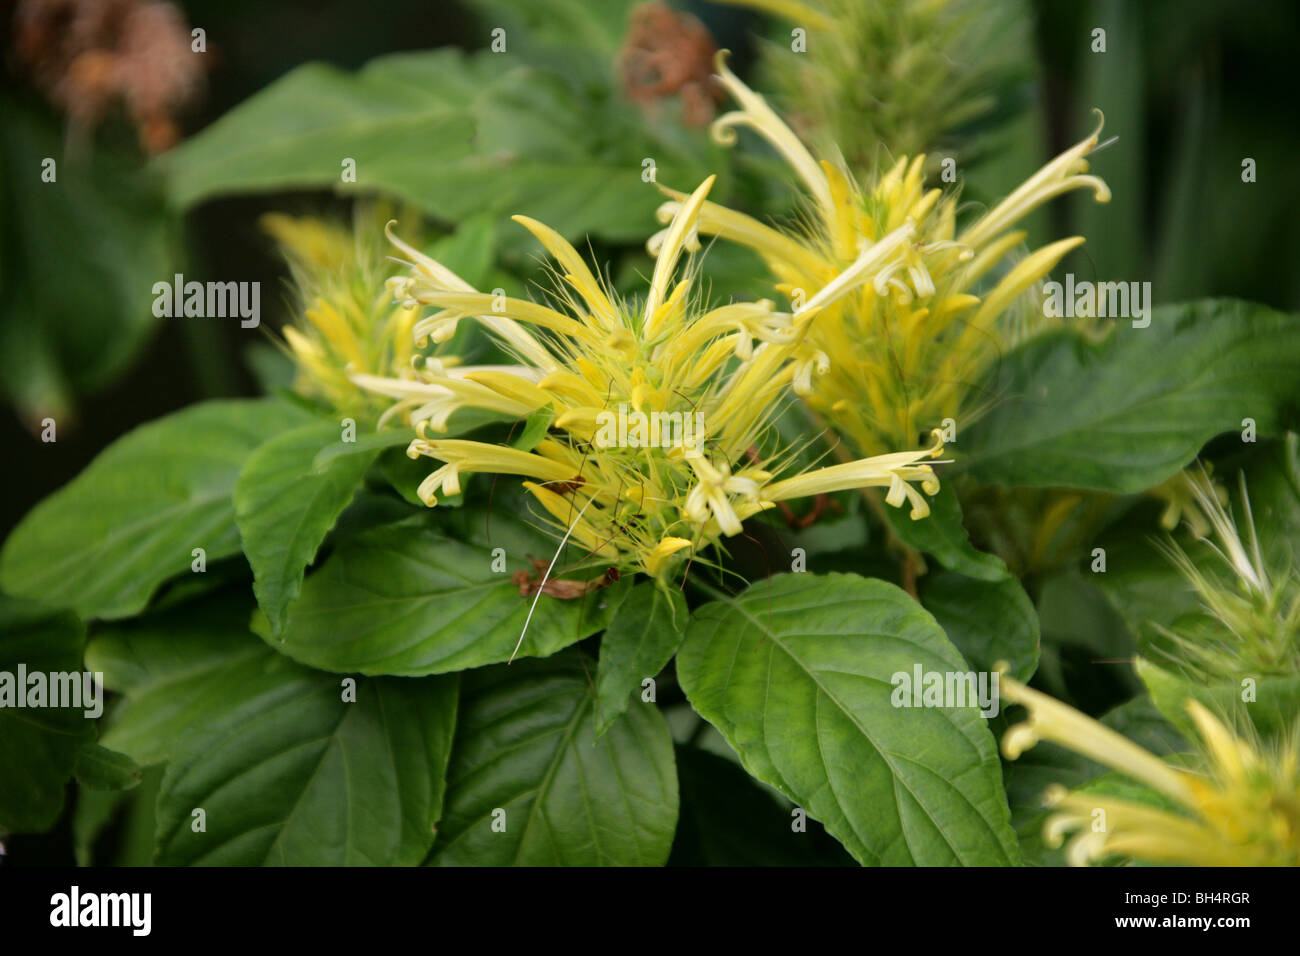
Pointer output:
x,y
1054,794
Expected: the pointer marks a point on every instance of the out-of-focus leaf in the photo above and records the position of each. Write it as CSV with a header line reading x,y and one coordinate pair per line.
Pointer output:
x,y
102,769
1125,414
1272,703
459,135
38,744
80,256
988,621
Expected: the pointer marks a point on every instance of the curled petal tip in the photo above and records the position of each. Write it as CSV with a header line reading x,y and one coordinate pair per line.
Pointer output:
x,y
1101,121
1017,740
722,131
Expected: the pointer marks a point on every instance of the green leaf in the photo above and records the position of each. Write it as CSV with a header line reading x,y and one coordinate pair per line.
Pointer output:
x,y
102,769
526,745
289,765
297,131
1140,582
285,505
289,773
460,135
642,637
103,544
408,601
366,446
1127,413
560,26
796,674
38,745
81,255
1273,483
988,621
981,606
1274,709
943,535
174,667
536,426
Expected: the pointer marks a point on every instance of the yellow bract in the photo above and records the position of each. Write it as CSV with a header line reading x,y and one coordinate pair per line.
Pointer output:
x,y
349,324
659,410
906,348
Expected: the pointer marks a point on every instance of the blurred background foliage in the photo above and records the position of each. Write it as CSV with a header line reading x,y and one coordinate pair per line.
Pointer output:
x,y
560,125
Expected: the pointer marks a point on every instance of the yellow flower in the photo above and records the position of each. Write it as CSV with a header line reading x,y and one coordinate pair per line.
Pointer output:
x,y
660,410
1236,807
348,324
903,349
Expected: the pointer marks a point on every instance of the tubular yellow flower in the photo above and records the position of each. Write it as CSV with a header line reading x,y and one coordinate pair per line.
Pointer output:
x,y
1236,807
905,348
659,410
894,471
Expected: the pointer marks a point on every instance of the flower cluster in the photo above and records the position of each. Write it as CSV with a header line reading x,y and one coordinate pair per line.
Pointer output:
x,y
348,323
1253,611
1237,806
641,505
900,75
905,349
